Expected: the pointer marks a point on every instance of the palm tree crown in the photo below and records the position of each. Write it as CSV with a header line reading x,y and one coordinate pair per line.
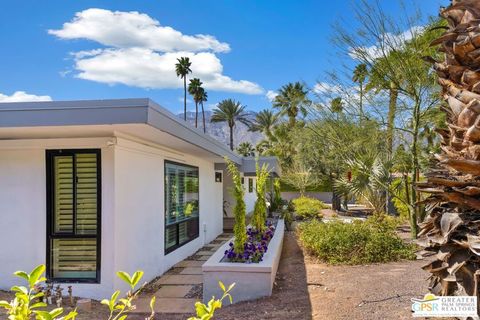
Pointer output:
x,y
230,111
264,122
194,89
246,149
291,100
182,68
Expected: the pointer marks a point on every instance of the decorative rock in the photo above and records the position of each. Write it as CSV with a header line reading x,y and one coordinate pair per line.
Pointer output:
x,y
84,305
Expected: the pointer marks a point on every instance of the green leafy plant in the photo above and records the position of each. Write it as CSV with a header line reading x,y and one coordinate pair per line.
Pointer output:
x,y
276,197
259,217
28,302
359,242
240,209
308,208
206,311
120,308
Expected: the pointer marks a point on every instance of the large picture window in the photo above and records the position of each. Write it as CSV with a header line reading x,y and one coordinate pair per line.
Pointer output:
x,y
181,205
73,215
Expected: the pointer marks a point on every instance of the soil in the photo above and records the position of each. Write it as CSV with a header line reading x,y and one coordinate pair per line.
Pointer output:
x,y
307,289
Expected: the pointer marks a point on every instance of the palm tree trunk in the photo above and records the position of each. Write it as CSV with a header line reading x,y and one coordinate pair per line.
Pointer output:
x,y
203,115
185,98
392,109
196,114
231,138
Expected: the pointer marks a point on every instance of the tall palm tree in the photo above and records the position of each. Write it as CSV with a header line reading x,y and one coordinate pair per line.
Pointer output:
x,y
291,100
194,88
203,97
230,111
246,149
182,68
264,122
359,76
451,228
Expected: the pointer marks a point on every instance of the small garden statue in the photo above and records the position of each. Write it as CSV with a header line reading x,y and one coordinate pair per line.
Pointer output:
x,y
58,296
70,296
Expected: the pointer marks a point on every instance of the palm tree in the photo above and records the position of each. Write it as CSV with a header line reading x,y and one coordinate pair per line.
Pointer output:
x,y
246,149
336,105
291,100
451,227
203,97
193,89
182,68
264,122
230,111
359,76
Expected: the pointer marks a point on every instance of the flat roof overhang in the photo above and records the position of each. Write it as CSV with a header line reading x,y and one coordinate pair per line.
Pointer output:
x,y
138,117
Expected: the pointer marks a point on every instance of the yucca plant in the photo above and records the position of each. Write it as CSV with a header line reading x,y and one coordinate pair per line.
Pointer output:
x,y
452,226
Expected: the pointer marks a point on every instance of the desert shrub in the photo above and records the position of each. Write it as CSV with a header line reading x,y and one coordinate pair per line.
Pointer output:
x,y
359,242
307,208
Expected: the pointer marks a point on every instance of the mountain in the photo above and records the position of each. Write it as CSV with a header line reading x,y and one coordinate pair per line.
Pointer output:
x,y
221,132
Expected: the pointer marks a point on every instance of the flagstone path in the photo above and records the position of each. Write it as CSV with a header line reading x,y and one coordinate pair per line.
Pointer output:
x,y
180,287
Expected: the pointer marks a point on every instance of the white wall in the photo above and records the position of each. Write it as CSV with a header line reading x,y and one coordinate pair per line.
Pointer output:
x,y
23,210
250,197
139,207
132,209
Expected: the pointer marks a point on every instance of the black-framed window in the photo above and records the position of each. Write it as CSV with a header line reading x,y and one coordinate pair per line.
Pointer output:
x,y
73,215
250,185
181,205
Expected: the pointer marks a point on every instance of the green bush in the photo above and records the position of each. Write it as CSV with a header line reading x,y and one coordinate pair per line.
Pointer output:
x,y
307,208
358,242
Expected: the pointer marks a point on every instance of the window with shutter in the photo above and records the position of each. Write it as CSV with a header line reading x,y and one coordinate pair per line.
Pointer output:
x,y
73,208
181,205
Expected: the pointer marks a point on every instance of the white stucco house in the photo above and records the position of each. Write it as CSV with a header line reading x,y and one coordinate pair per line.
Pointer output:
x,y
92,187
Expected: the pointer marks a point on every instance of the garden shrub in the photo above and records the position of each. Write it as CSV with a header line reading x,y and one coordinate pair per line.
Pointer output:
x,y
307,208
259,217
240,208
359,242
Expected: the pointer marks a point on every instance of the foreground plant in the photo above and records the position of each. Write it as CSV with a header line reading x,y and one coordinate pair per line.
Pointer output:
x,y
120,308
451,228
206,311
28,302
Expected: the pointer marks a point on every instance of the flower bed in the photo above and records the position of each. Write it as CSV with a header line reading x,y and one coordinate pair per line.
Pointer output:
x,y
253,279
255,247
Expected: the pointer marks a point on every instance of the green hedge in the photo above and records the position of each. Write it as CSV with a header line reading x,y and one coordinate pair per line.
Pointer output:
x,y
358,242
308,208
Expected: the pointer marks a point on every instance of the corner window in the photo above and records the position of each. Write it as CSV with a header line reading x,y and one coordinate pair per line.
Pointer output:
x,y
73,215
181,205
250,185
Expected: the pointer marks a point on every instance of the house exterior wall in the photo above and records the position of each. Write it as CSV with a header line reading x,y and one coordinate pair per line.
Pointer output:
x,y
132,209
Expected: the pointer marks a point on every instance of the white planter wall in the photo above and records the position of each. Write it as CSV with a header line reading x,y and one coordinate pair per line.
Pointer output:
x,y
252,281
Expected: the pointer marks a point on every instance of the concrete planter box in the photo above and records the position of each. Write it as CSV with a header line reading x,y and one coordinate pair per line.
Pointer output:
x,y
253,280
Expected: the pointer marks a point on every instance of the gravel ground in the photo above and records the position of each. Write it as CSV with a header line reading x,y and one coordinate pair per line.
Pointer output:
x,y
306,289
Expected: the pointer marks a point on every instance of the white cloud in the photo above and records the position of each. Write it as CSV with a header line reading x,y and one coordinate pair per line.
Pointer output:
x,y
326,88
271,95
22,96
388,42
140,52
145,68
133,29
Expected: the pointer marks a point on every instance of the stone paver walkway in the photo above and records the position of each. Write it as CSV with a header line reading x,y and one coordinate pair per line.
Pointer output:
x,y
179,288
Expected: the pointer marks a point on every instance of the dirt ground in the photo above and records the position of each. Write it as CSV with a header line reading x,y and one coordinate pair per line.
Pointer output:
x,y
306,289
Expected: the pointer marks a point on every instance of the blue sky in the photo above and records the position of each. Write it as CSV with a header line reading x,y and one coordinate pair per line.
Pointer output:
x,y
253,47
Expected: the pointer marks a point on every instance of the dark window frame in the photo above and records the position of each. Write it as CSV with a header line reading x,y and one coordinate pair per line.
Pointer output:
x,y
177,224
250,185
51,234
